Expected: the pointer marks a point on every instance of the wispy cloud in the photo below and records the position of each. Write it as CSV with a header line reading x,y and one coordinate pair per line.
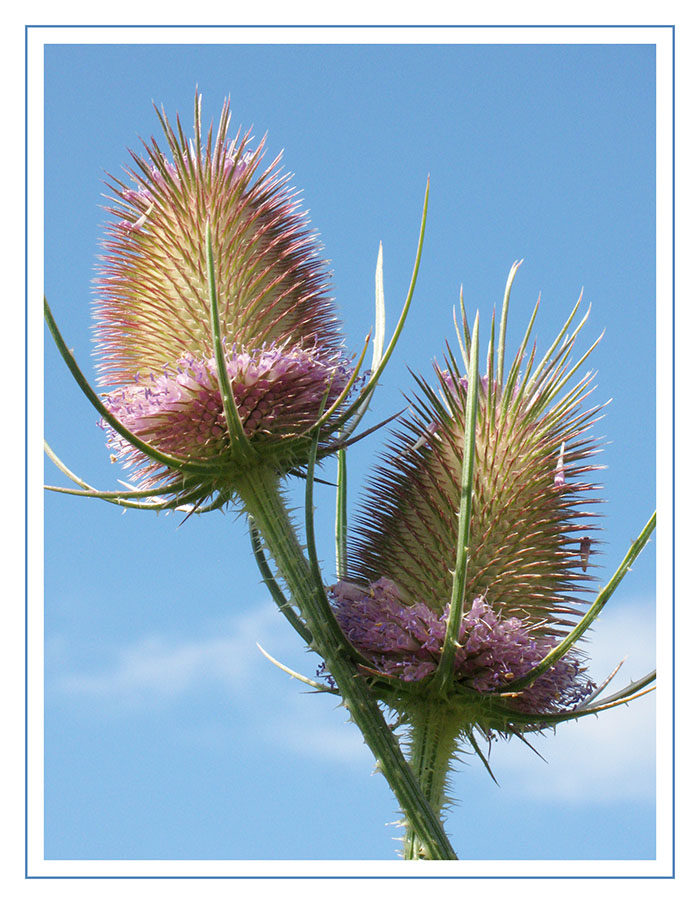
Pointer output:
x,y
329,737
162,668
611,757
158,671
608,758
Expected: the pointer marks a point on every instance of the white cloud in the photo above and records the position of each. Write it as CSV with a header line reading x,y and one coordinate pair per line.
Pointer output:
x,y
158,670
608,757
304,729
164,668
611,757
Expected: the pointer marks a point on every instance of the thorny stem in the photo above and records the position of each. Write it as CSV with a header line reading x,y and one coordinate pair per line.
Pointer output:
x,y
433,741
260,494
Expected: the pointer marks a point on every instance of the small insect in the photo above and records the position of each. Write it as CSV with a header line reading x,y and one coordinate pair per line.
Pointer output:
x,y
585,552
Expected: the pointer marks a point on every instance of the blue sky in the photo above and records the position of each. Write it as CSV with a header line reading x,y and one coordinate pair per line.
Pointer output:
x,y
168,736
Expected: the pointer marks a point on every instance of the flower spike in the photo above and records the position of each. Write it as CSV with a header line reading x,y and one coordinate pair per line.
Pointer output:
x,y
216,338
496,468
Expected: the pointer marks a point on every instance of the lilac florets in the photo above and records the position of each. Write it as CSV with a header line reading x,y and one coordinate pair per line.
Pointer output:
x,y
277,391
406,642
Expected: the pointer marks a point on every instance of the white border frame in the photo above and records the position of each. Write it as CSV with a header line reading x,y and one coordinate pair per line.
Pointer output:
x,y
37,37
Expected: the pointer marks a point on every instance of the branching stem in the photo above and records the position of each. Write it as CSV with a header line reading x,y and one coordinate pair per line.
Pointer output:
x,y
260,494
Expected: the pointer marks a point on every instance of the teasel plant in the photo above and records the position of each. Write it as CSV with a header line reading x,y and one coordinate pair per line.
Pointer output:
x,y
225,377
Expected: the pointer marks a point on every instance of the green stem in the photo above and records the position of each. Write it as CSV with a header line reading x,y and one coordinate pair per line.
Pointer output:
x,y
260,494
435,727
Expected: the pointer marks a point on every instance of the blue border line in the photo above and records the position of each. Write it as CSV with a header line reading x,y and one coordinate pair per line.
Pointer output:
x,y
400,878
351,25
26,451
673,450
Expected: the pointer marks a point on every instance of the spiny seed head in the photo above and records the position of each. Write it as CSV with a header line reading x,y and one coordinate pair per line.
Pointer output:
x,y
155,346
525,580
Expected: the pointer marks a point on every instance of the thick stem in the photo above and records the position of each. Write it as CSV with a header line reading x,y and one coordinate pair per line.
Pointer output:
x,y
260,494
435,727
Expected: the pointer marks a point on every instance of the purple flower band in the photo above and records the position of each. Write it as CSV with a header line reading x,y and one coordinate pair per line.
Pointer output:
x,y
406,642
278,394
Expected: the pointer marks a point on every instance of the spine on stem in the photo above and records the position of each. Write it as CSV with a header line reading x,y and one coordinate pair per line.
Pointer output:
x,y
435,728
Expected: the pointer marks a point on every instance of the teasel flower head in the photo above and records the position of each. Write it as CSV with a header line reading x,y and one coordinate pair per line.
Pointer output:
x,y
496,579
217,342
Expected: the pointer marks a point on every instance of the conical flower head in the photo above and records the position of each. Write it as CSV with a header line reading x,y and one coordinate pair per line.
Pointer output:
x,y
525,578
278,331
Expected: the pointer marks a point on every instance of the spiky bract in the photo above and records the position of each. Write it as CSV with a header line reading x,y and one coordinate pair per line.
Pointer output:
x,y
156,352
